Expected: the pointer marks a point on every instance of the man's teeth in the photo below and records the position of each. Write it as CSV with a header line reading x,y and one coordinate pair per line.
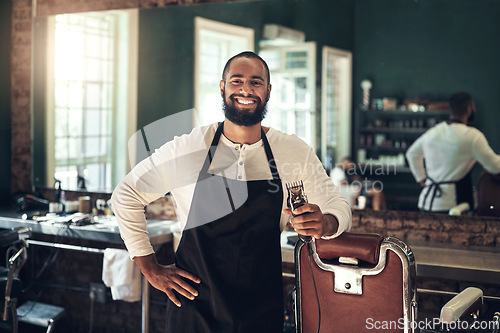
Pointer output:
x,y
245,102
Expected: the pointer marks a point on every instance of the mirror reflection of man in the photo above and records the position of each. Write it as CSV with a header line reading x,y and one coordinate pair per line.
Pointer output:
x,y
227,274
450,150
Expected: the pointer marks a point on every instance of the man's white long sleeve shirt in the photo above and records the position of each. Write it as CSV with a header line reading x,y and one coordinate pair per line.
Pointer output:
x,y
175,166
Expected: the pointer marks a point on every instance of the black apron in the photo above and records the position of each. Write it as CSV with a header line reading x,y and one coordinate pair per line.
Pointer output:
x,y
237,256
463,187
463,191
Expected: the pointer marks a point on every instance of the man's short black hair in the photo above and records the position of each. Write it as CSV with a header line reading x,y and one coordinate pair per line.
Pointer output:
x,y
246,54
459,103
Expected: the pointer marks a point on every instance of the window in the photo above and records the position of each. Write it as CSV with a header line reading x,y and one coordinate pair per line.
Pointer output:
x,y
215,43
292,106
91,93
336,105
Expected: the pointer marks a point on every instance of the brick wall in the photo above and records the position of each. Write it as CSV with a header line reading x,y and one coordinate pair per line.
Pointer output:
x,y
20,97
416,227
21,163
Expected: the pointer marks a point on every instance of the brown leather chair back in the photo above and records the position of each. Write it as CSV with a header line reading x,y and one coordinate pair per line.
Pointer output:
x,y
383,293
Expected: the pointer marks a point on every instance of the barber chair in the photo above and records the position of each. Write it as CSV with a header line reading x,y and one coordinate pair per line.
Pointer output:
x,y
466,306
463,314
355,283
488,200
10,285
40,314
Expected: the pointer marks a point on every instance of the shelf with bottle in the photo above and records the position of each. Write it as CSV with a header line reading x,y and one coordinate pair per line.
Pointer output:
x,y
389,130
383,149
397,121
384,142
385,135
383,165
384,132
401,111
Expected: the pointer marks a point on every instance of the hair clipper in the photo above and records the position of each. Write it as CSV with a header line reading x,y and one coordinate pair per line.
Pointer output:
x,y
297,198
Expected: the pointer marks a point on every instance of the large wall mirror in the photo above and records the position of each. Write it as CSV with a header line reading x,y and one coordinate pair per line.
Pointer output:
x,y
408,49
85,97
67,144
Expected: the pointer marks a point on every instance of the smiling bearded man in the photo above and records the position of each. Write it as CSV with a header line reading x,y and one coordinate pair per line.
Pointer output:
x,y
227,276
244,106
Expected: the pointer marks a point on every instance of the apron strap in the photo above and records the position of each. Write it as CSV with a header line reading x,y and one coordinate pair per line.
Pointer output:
x,y
215,143
436,190
211,150
270,157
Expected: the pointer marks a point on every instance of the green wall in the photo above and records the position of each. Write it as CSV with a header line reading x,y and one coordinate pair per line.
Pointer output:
x,y
424,48
166,43
326,22
431,49
5,104
166,51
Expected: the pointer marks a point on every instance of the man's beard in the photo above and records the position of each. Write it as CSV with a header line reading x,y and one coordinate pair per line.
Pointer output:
x,y
243,117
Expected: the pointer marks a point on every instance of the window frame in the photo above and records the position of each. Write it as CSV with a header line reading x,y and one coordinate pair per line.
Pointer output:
x,y
344,114
124,99
230,30
309,73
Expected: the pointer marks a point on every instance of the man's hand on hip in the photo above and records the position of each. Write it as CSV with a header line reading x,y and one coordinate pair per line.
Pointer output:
x,y
167,278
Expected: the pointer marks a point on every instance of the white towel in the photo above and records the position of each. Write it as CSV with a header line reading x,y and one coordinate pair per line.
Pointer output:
x,y
122,275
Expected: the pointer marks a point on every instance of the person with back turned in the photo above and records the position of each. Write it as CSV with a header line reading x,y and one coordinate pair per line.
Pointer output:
x,y
450,149
227,275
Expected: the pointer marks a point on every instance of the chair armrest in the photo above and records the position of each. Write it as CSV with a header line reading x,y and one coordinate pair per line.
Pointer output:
x,y
469,301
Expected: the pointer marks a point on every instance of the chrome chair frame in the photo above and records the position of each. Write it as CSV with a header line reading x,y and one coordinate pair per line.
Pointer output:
x,y
16,262
348,278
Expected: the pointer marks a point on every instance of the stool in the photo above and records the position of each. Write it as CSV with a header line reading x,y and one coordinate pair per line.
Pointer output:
x,y
39,314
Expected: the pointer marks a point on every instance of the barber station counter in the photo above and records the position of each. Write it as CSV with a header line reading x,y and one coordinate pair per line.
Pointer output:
x,y
436,260
103,229
478,264
81,262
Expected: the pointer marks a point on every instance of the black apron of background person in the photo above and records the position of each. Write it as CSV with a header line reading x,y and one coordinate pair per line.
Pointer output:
x,y
237,257
463,191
